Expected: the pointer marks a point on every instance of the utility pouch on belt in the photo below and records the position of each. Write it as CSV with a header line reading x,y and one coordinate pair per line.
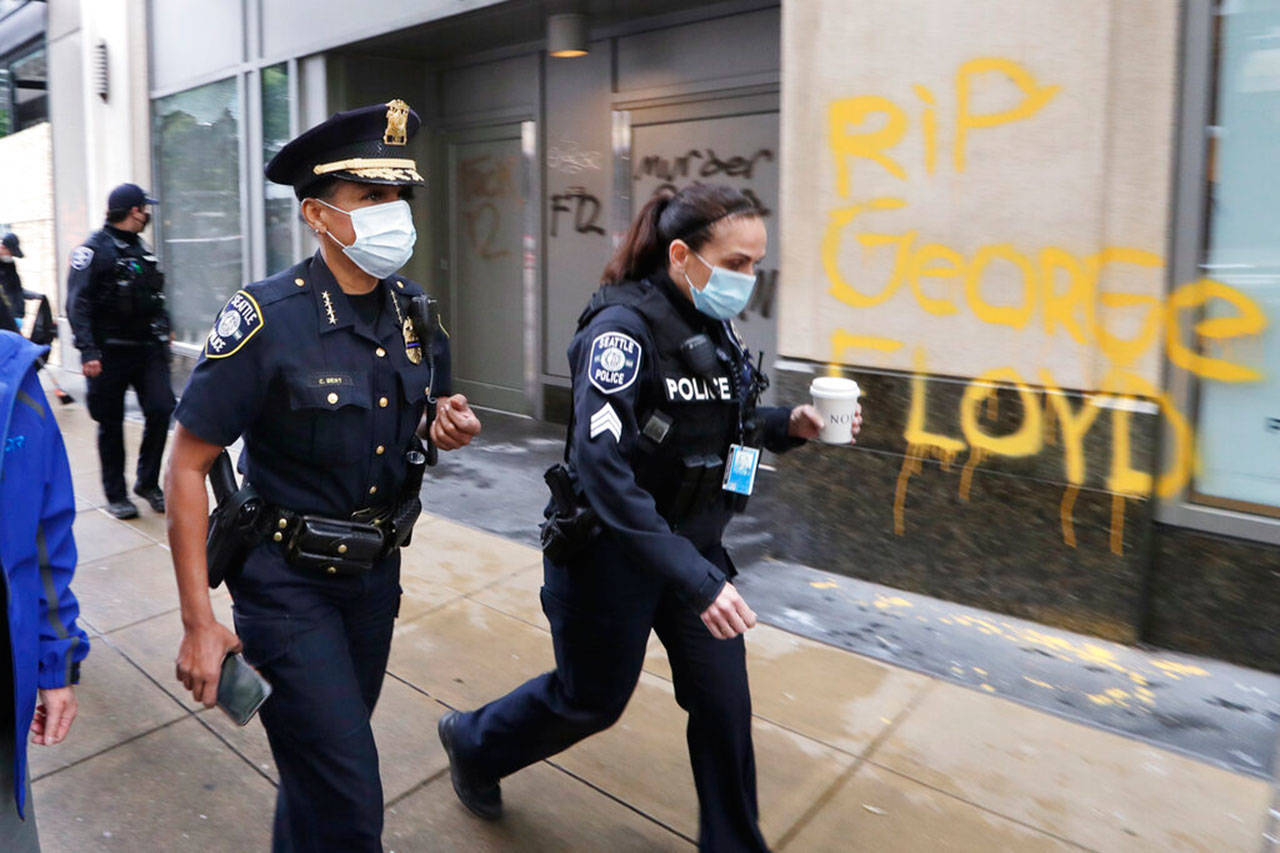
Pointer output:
x,y
699,486
571,525
333,547
235,525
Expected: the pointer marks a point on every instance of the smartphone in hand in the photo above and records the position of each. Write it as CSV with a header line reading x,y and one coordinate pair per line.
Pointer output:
x,y
241,690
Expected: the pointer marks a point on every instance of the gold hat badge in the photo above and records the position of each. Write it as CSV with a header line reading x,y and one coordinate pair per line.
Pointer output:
x,y
397,119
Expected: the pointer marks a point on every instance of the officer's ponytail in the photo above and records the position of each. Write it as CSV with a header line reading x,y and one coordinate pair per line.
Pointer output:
x,y
687,215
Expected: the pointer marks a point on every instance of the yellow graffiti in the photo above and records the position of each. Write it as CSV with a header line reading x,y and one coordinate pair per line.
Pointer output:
x,y
1250,321
1080,296
1035,98
1026,441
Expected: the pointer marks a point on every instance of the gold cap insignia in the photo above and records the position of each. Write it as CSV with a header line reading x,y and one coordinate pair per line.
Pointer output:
x,y
397,119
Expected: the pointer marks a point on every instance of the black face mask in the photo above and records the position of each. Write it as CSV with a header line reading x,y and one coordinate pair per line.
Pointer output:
x,y
146,219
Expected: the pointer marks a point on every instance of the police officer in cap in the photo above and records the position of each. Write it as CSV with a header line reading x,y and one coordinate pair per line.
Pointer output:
x,y
328,371
664,439
117,310
10,282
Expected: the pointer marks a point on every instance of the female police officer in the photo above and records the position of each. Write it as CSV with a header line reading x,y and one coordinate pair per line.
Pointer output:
x,y
663,402
321,369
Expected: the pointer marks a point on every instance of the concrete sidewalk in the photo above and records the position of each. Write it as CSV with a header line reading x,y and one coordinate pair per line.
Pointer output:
x,y
853,754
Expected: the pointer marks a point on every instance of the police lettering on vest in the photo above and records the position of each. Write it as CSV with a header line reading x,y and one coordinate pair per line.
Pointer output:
x,y
691,389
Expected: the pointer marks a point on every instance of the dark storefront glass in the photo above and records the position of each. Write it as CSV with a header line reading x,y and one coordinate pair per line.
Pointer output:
x,y
279,203
196,135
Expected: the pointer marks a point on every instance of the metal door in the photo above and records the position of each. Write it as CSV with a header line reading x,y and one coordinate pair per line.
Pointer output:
x,y
491,266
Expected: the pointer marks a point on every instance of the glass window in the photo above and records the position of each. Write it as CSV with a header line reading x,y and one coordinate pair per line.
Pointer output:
x,y
196,135
280,205
24,89
1239,421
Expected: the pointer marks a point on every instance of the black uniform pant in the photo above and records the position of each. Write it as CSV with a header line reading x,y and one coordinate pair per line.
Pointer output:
x,y
601,611
322,642
145,368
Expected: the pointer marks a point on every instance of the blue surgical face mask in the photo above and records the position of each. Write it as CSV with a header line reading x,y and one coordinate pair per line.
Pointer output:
x,y
725,294
384,236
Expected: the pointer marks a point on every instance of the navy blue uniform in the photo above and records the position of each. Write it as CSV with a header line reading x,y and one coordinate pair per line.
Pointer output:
x,y
655,565
327,403
116,297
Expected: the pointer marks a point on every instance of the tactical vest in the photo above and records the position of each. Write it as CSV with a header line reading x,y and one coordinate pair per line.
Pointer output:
x,y
131,296
687,418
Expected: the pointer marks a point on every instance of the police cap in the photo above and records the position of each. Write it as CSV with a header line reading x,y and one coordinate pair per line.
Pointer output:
x,y
10,242
365,145
127,196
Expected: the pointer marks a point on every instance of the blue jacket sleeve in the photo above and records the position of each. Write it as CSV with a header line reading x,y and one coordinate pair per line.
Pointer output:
x,y
63,644
603,444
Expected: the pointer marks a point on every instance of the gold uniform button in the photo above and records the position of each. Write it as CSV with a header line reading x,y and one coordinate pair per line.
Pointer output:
x,y
382,401
283,524
400,284
332,570
342,549
333,398
379,450
299,282
373,490
279,537
380,352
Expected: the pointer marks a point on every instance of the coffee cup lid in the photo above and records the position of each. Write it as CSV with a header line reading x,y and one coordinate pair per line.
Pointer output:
x,y
834,386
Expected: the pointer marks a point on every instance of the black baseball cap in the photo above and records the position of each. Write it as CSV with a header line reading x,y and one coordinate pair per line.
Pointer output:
x,y
126,196
366,145
10,242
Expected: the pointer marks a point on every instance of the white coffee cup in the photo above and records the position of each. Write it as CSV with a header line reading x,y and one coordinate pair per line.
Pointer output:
x,y
836,399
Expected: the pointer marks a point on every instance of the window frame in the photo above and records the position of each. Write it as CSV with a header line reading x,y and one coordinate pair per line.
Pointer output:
x,y
1188,227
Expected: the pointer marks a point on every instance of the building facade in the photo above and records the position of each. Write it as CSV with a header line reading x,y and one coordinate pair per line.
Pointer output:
x,y
1039,235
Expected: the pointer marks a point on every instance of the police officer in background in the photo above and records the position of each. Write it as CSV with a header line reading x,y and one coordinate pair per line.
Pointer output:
x,y
121,326
10,282
328,371
662,449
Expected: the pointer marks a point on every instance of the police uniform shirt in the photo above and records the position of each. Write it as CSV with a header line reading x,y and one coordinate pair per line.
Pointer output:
x,y
615,379
93,319
327,403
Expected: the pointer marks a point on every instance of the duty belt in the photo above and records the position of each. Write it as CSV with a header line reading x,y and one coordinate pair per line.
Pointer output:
x,y
335,546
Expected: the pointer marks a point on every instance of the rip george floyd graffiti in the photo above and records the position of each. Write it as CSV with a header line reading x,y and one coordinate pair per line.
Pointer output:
x,y
1052,291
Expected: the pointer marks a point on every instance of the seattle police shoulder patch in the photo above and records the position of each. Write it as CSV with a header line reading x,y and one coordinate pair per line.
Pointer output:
x,y
240,320
81,257
614,362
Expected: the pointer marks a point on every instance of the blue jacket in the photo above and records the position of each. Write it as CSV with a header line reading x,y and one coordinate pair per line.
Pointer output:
x,y
37,551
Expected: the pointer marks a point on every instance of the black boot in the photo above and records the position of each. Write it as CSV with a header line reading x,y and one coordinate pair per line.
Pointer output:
x,y
482,796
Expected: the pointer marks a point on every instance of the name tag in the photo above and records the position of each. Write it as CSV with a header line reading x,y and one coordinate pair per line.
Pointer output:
x,y
740,472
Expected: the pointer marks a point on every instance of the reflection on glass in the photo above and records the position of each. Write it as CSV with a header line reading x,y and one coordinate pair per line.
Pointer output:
x,y
279,202
197,156
1239,422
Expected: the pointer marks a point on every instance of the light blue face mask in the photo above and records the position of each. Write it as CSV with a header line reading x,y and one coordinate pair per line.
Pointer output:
x,y
725,294
384,236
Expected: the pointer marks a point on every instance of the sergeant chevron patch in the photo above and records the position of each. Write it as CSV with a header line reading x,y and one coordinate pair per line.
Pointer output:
x,y
606,420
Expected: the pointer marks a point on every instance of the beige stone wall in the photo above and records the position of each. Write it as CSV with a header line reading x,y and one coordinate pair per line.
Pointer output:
x,y
26,207
1021,152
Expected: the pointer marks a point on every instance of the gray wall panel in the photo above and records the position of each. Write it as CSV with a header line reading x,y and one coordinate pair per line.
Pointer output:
x,y
178,54
290,28
67,118
508,84
577,201
62,18
736,46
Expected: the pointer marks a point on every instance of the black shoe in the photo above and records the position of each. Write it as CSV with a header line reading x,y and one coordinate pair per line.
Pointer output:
x,y
482,797
152,495
123,509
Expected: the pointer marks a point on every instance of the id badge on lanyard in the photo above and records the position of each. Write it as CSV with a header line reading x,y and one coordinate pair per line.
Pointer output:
x,y
740,469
